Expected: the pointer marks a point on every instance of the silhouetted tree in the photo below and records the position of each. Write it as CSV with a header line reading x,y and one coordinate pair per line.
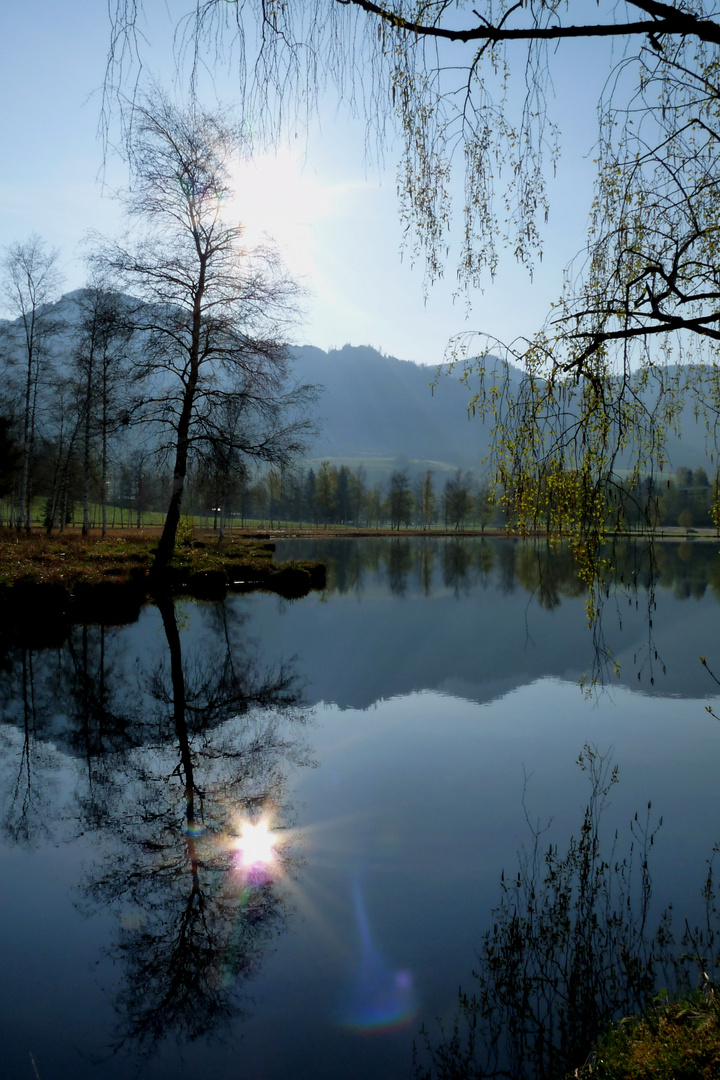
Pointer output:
x,y
216,313
325,492
357,484
100,360
484,506
400,499
31,278
426,500
457,499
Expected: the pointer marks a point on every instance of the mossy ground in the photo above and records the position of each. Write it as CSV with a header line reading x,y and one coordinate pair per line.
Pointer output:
x,y
672,1041
93,558
71,560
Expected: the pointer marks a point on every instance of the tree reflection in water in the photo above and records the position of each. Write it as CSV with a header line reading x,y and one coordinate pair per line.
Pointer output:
x,y
30,783
570,950
171,755
218,735
623,576
178,750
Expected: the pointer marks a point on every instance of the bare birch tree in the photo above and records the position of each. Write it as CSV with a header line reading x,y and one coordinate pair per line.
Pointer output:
x,y
31,278
100,360
216,314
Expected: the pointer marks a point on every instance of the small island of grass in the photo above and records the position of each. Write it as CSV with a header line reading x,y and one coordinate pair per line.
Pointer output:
x,y
92,578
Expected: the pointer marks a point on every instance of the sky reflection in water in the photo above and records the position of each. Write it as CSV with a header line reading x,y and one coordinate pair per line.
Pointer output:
x,y
440,685
379,997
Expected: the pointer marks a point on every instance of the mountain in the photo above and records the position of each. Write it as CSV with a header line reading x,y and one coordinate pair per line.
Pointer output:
x,y
382,411
376,407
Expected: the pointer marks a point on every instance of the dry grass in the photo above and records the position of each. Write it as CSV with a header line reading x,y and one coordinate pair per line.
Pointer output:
x,y
121,556
672,1041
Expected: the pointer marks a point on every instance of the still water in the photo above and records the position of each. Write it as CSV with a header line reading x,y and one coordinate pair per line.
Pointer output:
x,y
399,734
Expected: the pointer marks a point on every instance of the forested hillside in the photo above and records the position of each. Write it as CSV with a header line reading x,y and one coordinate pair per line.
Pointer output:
x,y
376,406
387,431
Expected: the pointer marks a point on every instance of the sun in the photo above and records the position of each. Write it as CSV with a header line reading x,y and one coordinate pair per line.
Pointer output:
x,y
276,199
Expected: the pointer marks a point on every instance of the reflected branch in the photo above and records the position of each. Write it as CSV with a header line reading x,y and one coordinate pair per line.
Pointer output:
x,y
569,951
211,750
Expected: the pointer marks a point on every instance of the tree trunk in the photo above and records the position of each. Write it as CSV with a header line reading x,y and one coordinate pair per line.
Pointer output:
x,y
104,453
87,439
166,546
25,478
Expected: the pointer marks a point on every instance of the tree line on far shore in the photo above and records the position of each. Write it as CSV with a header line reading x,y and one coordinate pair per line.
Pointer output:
x,y
69,492
331,495
341,496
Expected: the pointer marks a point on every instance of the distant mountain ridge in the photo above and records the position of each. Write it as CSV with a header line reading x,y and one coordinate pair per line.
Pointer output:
x,y
376,406
383,412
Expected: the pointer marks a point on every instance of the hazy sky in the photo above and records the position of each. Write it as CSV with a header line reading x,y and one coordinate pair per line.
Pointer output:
x,y
333,213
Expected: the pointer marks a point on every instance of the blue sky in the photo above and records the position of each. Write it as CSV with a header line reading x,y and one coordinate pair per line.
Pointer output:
x,y
333,213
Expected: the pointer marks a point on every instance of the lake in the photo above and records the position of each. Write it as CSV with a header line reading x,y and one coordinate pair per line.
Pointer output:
x,y
264,839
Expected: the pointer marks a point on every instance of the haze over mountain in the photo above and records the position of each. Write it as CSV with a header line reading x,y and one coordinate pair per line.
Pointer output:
x,y
378,410
379,407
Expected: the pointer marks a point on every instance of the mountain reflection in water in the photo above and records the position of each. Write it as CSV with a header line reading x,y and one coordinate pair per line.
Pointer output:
x,y
442,679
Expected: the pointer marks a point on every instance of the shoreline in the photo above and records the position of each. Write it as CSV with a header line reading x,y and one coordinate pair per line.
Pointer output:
x,y
86,574
69,570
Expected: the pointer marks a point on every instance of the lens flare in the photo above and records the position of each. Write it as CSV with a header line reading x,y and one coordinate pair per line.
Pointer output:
x,y
256,845
379,998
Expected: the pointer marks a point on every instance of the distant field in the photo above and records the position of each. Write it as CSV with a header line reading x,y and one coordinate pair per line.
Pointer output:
x,y
123,521
119,518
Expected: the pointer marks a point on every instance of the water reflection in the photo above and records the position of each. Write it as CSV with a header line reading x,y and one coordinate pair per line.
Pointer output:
x,y
496,574
174,752
487,615
549,573
439,669
575,944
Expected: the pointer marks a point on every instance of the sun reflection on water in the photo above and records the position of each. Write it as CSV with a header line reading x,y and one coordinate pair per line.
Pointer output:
x,y
256,845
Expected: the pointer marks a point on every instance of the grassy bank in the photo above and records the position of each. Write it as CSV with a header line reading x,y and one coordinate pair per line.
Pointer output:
x,y
672,1041
203,565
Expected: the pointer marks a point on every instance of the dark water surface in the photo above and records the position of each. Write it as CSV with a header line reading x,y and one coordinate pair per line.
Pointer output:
x,y
386,730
